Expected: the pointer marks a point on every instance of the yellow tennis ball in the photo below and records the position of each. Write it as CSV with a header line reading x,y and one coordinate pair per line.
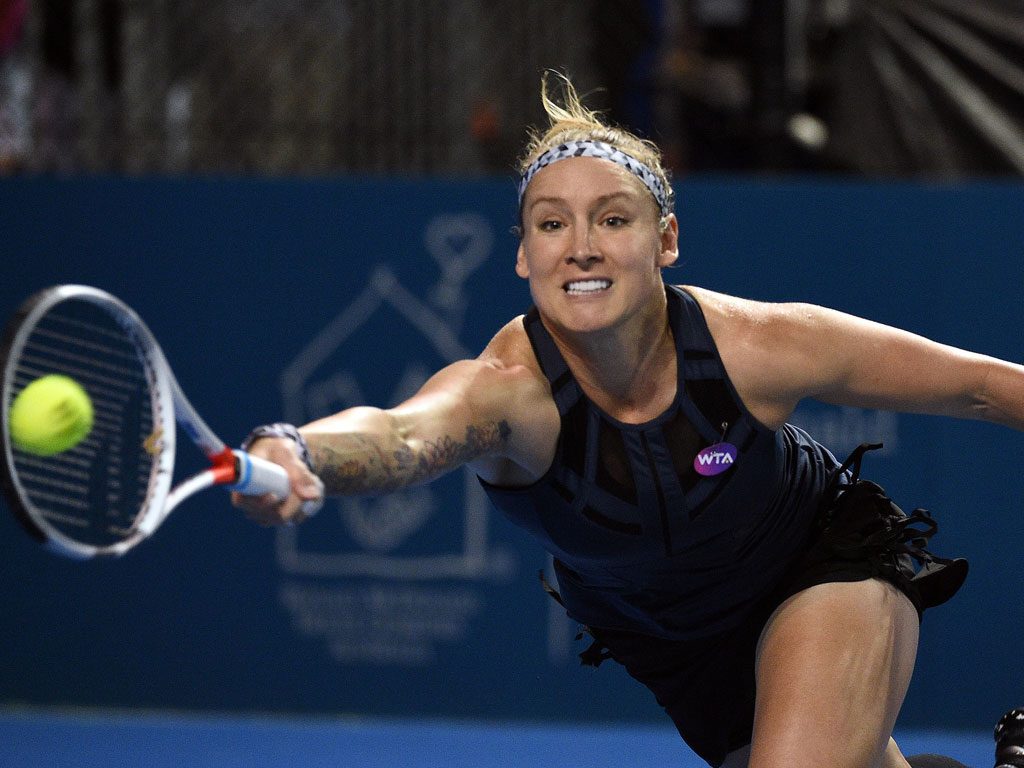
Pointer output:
x,y
50,415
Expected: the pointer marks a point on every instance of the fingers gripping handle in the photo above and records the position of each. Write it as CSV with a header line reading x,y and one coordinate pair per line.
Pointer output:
x,y
257,476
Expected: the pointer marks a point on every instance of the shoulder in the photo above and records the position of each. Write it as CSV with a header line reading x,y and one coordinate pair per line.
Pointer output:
x,y
725,305
510,343
772,352
522,387
522,393
510,354
731,315
503,374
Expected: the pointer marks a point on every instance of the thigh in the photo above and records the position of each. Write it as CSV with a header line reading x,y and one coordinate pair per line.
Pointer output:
x,y
833,665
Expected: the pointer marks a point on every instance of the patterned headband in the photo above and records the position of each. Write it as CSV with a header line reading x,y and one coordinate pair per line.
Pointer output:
x,y
591,148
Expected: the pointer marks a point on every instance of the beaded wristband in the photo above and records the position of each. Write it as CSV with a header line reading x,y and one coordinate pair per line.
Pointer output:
x,y
281,429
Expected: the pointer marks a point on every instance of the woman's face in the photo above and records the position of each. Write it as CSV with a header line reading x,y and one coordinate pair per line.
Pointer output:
x,y
591,245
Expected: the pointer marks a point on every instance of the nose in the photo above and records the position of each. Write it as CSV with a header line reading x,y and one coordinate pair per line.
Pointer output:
x,y
583,250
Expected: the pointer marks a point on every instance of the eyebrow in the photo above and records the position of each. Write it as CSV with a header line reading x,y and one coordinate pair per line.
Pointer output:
x,y
602,200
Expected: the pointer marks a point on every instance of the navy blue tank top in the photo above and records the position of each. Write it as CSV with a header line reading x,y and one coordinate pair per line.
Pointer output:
x,y
641,540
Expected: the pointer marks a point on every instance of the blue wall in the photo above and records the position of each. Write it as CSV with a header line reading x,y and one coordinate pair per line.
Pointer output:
x,y
294,298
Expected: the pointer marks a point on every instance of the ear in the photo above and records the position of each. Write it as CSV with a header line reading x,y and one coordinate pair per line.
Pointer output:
x,y
669,242
521,267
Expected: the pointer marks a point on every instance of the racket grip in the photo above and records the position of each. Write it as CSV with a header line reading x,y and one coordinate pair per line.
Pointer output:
x,y
257,476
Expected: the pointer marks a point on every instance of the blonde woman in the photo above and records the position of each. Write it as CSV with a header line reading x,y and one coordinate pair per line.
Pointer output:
x,y
768,595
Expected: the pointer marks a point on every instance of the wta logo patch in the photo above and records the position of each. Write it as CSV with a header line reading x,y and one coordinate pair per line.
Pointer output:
x,y
715,459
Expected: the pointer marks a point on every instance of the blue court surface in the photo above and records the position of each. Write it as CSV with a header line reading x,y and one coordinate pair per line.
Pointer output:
x,y
90,739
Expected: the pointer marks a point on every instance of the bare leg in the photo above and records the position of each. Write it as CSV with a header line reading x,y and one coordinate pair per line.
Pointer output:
x,y
833,667
893,757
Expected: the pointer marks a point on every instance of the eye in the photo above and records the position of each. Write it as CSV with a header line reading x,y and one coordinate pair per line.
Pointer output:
x,y
615,221
549,225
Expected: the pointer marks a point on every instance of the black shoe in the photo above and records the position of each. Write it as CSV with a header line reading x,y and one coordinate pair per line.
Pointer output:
x,y
1009,736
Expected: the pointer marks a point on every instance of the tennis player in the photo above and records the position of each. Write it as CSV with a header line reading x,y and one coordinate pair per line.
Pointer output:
x,y
767,594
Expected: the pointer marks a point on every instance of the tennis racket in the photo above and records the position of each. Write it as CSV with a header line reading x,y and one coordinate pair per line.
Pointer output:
x,y
113,489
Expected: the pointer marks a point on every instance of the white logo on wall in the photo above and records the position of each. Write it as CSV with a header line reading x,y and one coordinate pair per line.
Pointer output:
x,y
382,591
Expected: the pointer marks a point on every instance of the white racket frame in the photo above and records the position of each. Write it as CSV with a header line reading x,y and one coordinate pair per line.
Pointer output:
x,y
233,469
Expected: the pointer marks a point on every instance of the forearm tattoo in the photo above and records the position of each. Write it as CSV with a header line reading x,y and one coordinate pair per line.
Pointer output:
x,y
357,464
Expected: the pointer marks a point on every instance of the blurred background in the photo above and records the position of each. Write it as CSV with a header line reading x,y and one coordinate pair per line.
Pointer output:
x,y
927,88
311,202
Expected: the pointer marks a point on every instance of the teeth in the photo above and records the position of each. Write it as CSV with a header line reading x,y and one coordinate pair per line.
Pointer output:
x,y
580,287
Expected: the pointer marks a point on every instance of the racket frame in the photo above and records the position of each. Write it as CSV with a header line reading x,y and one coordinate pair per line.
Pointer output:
x,y
233,469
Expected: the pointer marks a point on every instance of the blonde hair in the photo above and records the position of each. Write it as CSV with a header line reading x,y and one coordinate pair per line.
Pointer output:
x,y
573,121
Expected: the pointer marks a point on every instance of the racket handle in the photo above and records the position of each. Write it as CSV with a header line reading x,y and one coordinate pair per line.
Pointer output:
x,y
257,476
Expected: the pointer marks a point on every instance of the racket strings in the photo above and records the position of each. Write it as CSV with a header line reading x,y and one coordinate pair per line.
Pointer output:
x,y
94,492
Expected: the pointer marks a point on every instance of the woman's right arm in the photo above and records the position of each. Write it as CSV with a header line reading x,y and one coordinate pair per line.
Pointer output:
x,y
460,414
471,411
